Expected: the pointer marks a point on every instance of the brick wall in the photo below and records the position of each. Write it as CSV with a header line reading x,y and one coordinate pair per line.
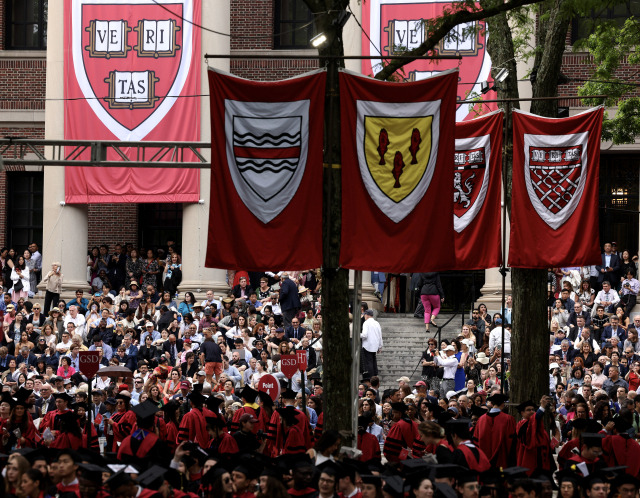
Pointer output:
x,y
112,224
23,83
259,15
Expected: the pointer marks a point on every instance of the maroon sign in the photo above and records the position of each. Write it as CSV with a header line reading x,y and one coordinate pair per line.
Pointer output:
x,y
302,359
270,385
89,362
289,365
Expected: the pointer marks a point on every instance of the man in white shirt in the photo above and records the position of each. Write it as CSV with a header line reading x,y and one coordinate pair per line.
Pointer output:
x,y
371,336
607,297
211,300
450,364
495,338
78,320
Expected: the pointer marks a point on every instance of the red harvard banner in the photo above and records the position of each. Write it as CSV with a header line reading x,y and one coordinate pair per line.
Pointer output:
x,y
397,145
131,72
476,192
554,207
266,178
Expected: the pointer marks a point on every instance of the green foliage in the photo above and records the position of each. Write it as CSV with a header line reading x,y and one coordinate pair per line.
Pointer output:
x,y
610,46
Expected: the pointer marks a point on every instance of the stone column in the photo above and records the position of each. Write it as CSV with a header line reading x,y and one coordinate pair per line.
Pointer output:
x,y
65,227
368,290
492,289
195,217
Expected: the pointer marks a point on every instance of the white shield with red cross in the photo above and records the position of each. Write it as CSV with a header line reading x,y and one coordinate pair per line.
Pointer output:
x,y
267,145
395,26
131,59
555,170
470,179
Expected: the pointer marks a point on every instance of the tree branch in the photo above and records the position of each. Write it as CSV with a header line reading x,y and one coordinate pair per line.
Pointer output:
x,y
449,22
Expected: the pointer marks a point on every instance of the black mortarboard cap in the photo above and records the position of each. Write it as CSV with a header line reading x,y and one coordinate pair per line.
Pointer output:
x,y
413,466
288,394
146,409
445,470
525,404
91,471
593,426
196,397
41,453
217,421
465,476
23,394
497,399
152,478
213,403
265,398
459,427
118,479
394,486
399,407
478,411
249,394
7,398
371,479
579,423
513,473
591,439
288,413
625,478
613,472
63,396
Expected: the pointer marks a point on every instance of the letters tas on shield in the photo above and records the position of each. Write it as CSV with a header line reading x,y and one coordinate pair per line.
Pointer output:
x,y
131,60
555,173
470,179
397,152
267,145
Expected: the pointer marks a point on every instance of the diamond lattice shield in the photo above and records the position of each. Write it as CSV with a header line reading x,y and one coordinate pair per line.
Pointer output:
x,y
470,179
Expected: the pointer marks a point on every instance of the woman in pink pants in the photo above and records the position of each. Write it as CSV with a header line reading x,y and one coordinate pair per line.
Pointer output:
x,y
431,295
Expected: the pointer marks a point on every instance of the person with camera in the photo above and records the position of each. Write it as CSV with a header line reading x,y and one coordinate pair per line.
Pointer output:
x,y
629,291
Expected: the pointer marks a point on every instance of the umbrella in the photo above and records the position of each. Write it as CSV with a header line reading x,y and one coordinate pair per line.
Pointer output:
x,y
115,372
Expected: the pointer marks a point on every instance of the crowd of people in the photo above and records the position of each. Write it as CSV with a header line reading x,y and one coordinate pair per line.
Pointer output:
x,y
188,414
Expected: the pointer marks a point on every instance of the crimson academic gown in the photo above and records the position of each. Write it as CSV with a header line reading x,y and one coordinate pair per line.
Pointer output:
x,y
302,422
193,427
293,442
567,452
533,445
622,450
142,444
122,427
370,447
224,445
402,435
74,487
317,433
495,435
51,420
66,440
470,456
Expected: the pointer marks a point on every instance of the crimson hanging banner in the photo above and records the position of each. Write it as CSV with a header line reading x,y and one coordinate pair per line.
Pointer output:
x,y
397,145
554,206
477,178
266,172
131,73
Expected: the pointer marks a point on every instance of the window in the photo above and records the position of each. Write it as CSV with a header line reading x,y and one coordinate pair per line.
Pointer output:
x,y
26,25
582,27
293,25
158,223
24,214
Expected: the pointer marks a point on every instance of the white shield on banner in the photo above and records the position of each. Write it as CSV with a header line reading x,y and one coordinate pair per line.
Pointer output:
x,y
131,65
471,179
267,145
555,168
397,147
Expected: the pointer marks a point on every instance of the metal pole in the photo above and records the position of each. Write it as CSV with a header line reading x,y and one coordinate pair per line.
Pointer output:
x,y
90,417
355,351
303,393
503,268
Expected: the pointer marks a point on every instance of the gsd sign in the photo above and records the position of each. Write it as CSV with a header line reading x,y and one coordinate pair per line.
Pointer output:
x,y
396,26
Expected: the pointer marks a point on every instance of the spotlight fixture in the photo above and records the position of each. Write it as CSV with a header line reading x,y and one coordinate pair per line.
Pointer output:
x,y
318,40
502,75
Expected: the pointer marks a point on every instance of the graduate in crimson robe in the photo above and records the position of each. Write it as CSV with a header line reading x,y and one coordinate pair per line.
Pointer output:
x,y
144,444
19,419
619,449
52,418
121,484
367,443
533,450
122,421
293,440
466,454
402,436
221,442
495,433
193,426
250,406
68,434
275,426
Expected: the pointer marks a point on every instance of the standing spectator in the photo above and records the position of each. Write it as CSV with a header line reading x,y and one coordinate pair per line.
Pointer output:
x,y
609,266
53,281
450,364
289,300
629,291
477,327
431,295
20,279
31,266
37,258
371,344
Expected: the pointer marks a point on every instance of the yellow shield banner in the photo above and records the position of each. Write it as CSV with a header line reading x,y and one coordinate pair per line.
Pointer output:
x,y
397,152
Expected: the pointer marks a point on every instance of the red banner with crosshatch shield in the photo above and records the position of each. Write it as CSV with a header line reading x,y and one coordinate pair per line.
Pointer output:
x,y
131,73
554,207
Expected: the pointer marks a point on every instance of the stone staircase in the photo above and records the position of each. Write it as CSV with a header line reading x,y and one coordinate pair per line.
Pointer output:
x,y
404,341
